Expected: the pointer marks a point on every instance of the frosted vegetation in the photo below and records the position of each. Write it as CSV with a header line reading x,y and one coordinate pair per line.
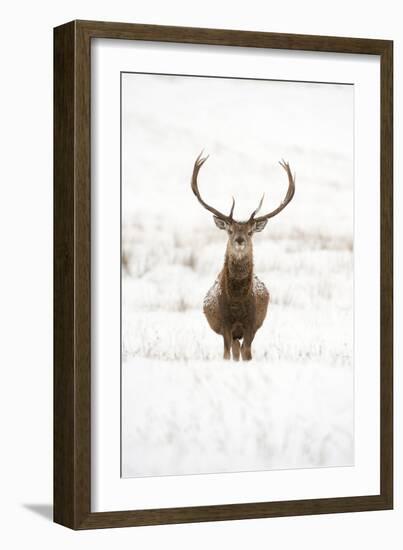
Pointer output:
x,y
185,410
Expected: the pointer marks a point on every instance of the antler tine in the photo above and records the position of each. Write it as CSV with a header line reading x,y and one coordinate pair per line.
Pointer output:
x,y
232,208
257,209
197,165
288,197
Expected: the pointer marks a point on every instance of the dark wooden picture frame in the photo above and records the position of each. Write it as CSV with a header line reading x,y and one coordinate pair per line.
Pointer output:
x,y
72,269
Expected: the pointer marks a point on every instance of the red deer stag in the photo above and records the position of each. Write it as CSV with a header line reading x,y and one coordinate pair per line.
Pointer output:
x,y
236,305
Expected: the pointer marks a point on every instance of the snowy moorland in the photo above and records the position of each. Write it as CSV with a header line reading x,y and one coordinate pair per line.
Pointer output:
x,y
184,409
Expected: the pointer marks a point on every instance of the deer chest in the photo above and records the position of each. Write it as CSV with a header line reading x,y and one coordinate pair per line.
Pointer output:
x,y
239,310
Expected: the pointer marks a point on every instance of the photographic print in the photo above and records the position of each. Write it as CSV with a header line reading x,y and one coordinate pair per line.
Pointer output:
x,y
223,274
236,275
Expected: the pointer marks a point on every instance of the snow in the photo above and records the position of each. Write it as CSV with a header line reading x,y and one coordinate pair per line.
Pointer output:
x,y
184,409
212,295
197,417
258,287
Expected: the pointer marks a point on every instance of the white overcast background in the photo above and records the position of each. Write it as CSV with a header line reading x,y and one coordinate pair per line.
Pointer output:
x,y
185,410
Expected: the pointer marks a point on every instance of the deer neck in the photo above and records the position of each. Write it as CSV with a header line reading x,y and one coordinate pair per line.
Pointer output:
x,y
238,273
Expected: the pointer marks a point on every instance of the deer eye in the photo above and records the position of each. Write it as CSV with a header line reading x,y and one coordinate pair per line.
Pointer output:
x,y
230,231
250,233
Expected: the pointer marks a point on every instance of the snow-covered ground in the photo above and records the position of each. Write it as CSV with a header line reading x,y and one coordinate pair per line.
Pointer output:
x,y
185,410
209,416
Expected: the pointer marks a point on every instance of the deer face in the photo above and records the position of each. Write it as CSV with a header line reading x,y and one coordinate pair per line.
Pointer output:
x,y
240,234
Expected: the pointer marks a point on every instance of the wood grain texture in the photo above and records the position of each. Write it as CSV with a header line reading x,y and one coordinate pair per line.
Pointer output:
x,y
72,270
72,296
64,381
386,358
221,37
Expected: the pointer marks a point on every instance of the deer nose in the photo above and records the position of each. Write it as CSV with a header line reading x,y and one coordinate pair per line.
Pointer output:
x,y
240,240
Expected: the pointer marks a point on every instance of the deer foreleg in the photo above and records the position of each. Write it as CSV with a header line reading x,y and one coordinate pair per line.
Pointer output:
x,y
236,348
227,344
246,349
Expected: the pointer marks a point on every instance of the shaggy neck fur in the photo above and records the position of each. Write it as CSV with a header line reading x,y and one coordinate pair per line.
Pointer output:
x,y
238,273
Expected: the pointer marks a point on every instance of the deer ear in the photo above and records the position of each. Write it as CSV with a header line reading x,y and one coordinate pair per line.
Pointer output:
x,y
259,226
221,224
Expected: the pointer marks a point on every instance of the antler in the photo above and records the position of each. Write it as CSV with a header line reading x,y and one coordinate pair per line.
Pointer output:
x,y
286,200
198,164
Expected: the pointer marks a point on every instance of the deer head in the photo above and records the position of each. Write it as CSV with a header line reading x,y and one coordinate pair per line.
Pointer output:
x,y
240,233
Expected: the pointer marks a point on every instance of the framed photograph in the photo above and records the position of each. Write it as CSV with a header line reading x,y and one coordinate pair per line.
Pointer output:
x,y
223,315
